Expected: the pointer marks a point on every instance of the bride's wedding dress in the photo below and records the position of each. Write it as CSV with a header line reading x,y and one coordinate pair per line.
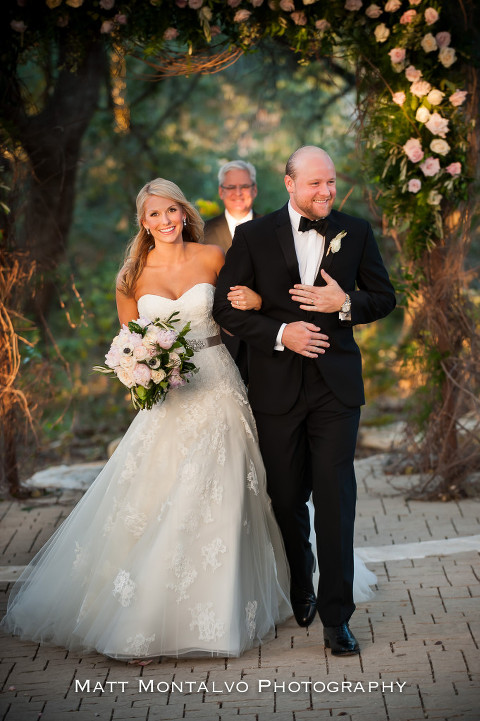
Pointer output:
x,y
174,548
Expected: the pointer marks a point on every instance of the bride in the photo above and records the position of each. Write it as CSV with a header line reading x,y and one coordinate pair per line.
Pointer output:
x,y
174,548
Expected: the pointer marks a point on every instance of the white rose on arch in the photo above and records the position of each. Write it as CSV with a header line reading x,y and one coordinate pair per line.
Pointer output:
x,y
434,197
439,146
422,114
381,33
435,96
428,43
447,56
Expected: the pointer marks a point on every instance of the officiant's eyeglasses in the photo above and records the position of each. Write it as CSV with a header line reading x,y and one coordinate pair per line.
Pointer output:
x,y
233,188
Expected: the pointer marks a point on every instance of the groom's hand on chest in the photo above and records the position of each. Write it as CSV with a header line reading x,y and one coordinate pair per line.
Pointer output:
x,y
328,298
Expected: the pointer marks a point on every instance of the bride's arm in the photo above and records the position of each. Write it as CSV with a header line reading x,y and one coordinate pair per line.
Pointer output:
x,y
126,308
243,298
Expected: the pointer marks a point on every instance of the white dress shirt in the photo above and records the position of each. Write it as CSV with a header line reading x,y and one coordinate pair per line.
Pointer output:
x,y
233,222
309,248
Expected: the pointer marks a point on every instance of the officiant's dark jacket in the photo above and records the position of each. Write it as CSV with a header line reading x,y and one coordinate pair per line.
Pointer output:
x,y
263,257
217,231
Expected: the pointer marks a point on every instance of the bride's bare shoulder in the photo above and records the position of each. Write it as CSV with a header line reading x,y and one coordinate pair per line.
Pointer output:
x,y
212,255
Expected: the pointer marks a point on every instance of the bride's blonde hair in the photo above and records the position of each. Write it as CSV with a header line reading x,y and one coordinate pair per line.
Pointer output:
x,y
137,250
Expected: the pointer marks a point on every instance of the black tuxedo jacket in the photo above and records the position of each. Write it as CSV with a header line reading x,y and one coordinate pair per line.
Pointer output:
x,y
217,232
263,257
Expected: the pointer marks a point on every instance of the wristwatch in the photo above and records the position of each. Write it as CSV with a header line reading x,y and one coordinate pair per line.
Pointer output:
x,y
347,304
344,312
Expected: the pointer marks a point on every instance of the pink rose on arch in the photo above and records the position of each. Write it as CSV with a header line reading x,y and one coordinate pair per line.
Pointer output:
x,y
299,17
397,55
181,3
415,2
413,150
215,30
287,6
408,16
443,39
170,34
431,16
392,5
120,18
107,26
322,25
373,11
399,97
195,4
438,125
420,88
454,168
241,15
142,374
107,4
412,74
458,97
414,185
353,5
256,3
234,3
18,25
430,167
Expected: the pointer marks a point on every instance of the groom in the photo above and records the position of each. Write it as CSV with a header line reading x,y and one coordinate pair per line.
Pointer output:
x,y
319,273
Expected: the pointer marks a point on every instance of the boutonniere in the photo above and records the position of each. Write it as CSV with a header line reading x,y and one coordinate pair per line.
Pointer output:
x,y
336,243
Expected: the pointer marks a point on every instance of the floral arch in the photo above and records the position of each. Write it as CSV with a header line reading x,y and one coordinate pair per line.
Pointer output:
x,y
416,98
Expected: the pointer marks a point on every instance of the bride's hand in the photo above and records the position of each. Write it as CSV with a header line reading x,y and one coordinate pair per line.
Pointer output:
x,y
243,298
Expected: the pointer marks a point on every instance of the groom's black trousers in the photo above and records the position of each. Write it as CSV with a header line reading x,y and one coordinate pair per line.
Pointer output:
x,y
311,449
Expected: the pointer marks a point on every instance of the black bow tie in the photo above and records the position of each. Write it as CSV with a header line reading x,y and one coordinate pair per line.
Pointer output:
x,y
319,225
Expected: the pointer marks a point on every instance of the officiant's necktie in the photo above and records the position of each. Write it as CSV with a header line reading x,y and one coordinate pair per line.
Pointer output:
x,y
319,225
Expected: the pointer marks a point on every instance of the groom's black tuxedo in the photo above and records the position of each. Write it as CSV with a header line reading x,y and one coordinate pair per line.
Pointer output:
x,y
307,410
263,257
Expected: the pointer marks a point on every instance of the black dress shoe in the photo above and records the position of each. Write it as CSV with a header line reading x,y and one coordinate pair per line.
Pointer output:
x,y
341,640
304,609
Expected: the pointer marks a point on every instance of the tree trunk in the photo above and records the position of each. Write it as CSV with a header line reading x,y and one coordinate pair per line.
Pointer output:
x,y
52,140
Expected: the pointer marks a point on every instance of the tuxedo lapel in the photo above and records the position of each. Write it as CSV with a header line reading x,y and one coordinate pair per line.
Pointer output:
x,y
332,230
285,238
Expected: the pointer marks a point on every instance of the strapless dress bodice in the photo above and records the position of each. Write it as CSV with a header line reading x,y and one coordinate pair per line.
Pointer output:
x,y
195,305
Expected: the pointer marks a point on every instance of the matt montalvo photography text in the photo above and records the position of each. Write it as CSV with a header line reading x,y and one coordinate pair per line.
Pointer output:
x,y
261,686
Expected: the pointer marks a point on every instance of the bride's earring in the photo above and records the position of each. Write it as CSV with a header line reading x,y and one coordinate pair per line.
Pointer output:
x,y
148,230
184,222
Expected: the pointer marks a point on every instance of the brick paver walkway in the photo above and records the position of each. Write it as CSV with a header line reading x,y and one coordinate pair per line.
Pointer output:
x,y
419,636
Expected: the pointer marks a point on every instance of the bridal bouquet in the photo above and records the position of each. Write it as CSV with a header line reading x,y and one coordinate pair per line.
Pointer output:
x,y
150,358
